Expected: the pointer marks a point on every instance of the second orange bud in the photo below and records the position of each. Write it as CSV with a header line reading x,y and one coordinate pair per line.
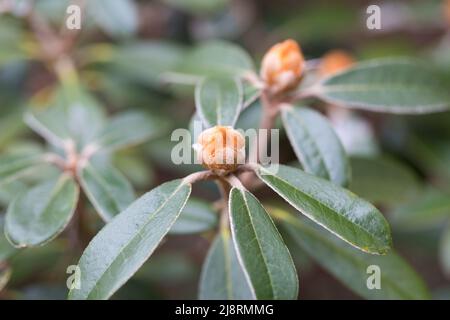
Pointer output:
x,y
282,67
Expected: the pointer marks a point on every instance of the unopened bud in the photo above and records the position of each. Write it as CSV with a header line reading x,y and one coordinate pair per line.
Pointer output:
x,y
221,149
282,66
446,11
335,61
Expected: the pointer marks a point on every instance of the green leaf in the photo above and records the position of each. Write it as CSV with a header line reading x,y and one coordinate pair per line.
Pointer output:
x,y
387,85
398,279
147,61
6,249
65,117
197,216
128,129
251,94
125,243
427,210
222,277
14,166
199,6
219,100
217,58
107,189
41,213
118,18
336,209
260,248
316,144
383,179
444,250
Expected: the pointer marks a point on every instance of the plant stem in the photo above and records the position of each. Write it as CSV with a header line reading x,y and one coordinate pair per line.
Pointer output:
x,y
200,176
224,188
269,115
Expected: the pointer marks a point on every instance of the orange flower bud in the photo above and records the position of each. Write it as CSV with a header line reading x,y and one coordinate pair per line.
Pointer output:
x,y
221,149
335,61
282,66
446,10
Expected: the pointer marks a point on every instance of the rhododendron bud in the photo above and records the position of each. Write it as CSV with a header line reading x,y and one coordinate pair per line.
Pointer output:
x,y
221,149
335,61
282,66
446,10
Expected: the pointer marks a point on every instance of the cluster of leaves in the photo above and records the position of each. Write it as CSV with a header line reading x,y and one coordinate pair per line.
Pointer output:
x,y
255,251
248,257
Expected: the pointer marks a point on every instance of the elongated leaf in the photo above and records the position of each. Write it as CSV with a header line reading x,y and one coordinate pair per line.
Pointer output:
x,y
124,244
260,248
107,189
387,85
427,210
199,7
146,61
444,251
197,216
128,129
41,213
316,144
383,179
336,209
222,276
219,101
16,165
217,58
65,116
117,18
397,279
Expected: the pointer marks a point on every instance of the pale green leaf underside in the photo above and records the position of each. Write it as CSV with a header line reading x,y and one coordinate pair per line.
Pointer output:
x,y
128,129
125,243
146,61
66,116
398,279
261,249
38,215
387,85
107,189
222,277
219,100
336,209
316,144
197,216
117,18
14,166
217,58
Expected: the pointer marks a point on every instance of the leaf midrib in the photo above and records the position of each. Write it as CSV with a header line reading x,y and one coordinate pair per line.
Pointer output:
x,y
104,185
259,245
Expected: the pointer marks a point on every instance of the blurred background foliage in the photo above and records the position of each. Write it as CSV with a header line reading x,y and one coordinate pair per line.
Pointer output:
x,y
400,163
